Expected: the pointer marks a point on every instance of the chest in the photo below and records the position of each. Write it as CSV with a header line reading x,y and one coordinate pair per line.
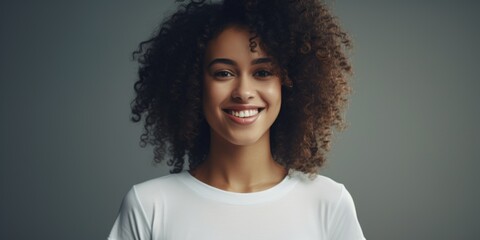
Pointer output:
x,y
212,221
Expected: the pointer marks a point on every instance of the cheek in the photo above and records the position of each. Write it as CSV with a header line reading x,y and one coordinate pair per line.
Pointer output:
x,y
213,96
207,106
274,94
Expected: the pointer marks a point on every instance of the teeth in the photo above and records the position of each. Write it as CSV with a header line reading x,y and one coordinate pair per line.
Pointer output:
x,y
244,113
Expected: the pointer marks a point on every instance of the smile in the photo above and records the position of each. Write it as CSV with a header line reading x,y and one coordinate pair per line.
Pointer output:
x,y
244,116
243,113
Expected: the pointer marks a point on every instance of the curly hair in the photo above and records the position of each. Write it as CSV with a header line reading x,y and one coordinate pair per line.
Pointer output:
x,y
303,38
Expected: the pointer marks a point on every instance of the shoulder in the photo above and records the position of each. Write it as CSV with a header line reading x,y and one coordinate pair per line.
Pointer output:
x,y
156,188
333,202
320,188
323,191
163,181
138,209
154,192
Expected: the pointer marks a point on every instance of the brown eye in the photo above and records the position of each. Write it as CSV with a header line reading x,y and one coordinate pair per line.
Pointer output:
x,y
223,74
263,74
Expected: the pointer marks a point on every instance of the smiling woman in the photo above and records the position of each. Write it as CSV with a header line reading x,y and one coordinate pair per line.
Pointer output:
x,y
241,100
248,92
242,96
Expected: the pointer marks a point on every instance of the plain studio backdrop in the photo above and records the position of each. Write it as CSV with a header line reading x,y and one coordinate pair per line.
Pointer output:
x,y
69,153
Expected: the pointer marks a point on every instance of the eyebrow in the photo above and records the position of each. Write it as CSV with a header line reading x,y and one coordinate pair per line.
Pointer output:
x,y
233,63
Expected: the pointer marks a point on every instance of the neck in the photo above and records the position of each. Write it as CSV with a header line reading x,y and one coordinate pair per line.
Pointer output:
x,y
237,168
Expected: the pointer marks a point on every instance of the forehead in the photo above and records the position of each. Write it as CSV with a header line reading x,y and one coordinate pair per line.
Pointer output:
x,y
233,43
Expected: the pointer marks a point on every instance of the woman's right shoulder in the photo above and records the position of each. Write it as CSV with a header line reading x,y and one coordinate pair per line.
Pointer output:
x,y
142,203
158,186
153,194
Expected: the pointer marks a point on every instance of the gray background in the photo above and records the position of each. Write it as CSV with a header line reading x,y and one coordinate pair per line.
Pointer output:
x,y
69,153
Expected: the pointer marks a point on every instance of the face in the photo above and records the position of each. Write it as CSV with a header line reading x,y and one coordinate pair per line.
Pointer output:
x,y
241,95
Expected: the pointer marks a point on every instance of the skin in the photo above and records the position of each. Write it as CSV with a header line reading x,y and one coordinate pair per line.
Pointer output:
x,y
236,79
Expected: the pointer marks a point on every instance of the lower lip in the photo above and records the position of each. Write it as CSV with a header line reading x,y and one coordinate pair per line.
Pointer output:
x,y
244,120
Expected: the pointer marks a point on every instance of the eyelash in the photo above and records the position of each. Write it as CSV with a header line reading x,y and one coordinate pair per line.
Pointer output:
x,y
223,74
265,73
226,74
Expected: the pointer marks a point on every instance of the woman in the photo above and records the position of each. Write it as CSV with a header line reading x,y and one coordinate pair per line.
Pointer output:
x,y
248,92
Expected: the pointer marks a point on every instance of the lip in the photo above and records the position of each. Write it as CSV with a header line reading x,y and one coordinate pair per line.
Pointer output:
x,y
242,107
242,120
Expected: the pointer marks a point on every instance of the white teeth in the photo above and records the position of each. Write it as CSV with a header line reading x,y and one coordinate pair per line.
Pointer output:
x,y
244,113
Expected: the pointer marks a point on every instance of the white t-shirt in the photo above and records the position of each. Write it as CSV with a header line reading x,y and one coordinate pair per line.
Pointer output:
x,y
178,207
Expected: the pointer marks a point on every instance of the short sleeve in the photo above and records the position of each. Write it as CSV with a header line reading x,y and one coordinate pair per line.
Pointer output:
x,y
344,224
131,222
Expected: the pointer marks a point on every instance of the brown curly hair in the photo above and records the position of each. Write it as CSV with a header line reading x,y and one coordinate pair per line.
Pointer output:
x,y
308,47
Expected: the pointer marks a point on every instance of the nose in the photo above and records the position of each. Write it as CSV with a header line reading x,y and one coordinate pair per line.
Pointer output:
x,y
244,89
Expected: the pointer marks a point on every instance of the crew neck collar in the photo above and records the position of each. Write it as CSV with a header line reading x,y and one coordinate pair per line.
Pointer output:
x,y
216,194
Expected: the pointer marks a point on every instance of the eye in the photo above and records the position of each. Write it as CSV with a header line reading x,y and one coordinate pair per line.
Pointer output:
x,y
223,74
263,74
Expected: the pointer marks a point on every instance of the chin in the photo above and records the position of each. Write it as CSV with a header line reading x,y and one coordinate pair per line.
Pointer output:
x,y
245,140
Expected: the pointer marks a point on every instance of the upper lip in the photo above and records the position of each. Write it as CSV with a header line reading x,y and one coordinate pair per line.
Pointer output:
x,y
242,107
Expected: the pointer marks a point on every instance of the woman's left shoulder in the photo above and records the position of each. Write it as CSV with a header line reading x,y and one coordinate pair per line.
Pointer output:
x,y
321,187
335,204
